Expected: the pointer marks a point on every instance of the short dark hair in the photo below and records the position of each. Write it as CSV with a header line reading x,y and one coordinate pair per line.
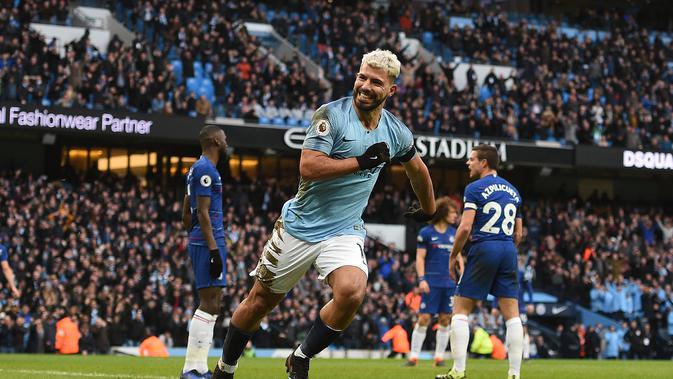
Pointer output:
x,y
207,134
444,206
489,153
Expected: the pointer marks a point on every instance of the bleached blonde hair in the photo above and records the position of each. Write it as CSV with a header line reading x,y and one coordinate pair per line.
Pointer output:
x,y
385,60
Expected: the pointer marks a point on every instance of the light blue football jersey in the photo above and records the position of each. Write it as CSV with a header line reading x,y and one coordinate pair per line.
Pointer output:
x,y
326,208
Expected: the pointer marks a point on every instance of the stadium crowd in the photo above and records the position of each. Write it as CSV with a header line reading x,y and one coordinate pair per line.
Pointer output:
x,y
614,90
615,259
108,255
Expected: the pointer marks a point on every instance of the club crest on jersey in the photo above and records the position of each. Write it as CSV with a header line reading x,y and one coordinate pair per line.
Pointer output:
x,y
206,181
322,127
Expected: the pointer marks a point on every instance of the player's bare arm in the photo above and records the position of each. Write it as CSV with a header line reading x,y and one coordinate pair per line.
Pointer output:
x,y
186,214
462,233
420,270
9,276
316,165
419,176
203,205
518,231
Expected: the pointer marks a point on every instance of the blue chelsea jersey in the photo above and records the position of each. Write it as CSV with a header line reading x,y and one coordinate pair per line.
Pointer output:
x,y
325,208
438,247
204,180
4,253
497,204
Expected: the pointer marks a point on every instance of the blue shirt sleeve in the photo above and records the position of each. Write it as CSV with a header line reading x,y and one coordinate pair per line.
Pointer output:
x,y
422,241
4,255
320,135
202,181
471,198
519,208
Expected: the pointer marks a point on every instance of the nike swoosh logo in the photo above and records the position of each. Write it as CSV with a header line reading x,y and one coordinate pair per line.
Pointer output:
x,y
373,157
348,140
558,310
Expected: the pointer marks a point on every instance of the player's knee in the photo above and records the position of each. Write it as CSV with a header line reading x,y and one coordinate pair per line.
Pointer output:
x,y
210,306
424,320
349,295
260,305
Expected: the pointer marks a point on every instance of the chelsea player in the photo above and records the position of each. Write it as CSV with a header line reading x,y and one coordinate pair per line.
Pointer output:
x,y
432,266
7,271
492,214
348,143
202,216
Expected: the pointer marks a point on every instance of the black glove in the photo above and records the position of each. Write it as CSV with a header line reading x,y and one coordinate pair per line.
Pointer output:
x,y
375,155
416,213
215,263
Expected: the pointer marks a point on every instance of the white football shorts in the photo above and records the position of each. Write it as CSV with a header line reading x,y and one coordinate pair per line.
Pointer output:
x,y
286,259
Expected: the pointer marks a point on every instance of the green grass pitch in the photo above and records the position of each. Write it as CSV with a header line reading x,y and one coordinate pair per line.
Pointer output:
x,y
53,367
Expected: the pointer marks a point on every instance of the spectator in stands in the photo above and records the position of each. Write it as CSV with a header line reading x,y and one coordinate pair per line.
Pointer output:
x,y
7,334
87,343
611,338
203,107
587,106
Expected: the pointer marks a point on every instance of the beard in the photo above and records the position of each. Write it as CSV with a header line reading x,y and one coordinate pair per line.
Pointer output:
x,y
224,153
367,108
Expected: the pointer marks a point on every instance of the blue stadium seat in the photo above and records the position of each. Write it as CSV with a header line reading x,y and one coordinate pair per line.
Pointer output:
x,y
193,85
306,123
207,82
278,121
427,39
484,93
291,122
198,69
46,102
173,53
177,69
208,93
264,120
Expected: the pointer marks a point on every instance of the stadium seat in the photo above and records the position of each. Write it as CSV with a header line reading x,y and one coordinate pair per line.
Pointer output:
x,y
278,121
193,85
207,82
198,69
306,123
208,93
177,70
291,122
484,93
428,40
264,120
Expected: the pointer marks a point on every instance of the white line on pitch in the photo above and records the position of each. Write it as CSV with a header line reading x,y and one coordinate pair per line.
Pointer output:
x,y
82,374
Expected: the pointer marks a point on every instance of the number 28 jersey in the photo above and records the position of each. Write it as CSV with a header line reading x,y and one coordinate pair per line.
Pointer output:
x,y
497,204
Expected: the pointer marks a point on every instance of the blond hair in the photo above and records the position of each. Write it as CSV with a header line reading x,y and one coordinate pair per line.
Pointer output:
x,y
385,60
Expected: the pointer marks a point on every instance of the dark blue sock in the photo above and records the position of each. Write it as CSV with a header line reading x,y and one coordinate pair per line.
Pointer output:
x,y
319,337
234,344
